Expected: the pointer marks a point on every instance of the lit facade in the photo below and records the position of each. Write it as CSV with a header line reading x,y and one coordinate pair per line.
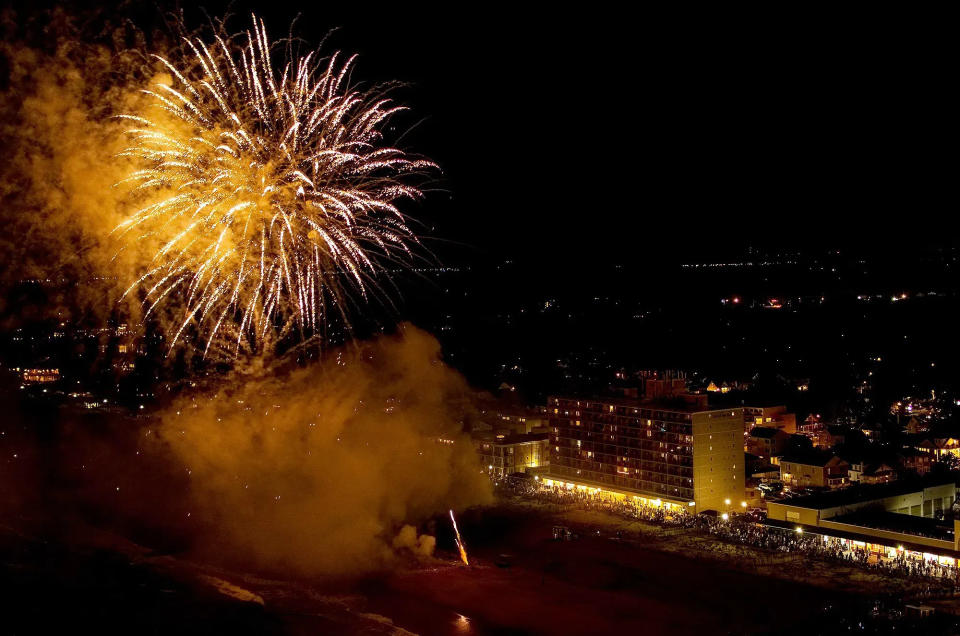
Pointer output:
x,y
41,376
940,446
684,455
513,453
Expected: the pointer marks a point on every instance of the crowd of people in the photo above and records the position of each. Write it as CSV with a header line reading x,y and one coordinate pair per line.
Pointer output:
x,y
737,529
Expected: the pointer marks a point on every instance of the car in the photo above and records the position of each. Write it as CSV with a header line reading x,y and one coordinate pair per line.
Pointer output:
x,y
562,533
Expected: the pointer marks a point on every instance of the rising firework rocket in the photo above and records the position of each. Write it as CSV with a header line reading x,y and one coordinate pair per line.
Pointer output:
x,y
267,190
460,546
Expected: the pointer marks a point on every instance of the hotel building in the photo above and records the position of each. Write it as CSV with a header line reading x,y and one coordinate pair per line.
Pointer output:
x,y
677,453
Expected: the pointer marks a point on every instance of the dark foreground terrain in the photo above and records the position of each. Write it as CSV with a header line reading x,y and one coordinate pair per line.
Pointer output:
x,y
519,581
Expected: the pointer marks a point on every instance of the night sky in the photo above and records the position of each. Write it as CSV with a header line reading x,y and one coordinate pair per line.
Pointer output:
x,y
571,136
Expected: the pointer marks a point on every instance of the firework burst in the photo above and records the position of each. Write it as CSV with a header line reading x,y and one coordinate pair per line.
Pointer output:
x,y
268,191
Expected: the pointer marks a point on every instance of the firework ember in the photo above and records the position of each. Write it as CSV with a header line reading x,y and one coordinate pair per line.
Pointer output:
x,y
460,546
268,190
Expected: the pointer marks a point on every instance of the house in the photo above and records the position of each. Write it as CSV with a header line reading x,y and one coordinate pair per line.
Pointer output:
x,y
764,441
913,460
811,425
878,474
936,445
816,470
854,471
816,430
834,435
915,426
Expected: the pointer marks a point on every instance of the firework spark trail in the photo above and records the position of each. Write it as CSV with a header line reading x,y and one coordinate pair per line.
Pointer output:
x,y
275,204
460,546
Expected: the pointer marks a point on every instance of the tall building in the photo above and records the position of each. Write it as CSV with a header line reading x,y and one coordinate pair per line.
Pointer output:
x,y
673,452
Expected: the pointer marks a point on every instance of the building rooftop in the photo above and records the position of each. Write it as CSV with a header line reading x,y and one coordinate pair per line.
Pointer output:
x,y
520,438
895,522
875,469
676,405
866,536
911,452
861,493
809,458
739,400
764,432
942,430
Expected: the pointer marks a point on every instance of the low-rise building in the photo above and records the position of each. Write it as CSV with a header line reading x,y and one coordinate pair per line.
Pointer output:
x,y
813,470
770,417
766,442
834,435
814,428
878,474
899,518
823,435
915,461
517,453
920,497
936,445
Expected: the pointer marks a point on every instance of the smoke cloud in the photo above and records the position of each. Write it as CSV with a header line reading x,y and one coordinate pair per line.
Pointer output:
x,y
407,539
61,165
318,470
